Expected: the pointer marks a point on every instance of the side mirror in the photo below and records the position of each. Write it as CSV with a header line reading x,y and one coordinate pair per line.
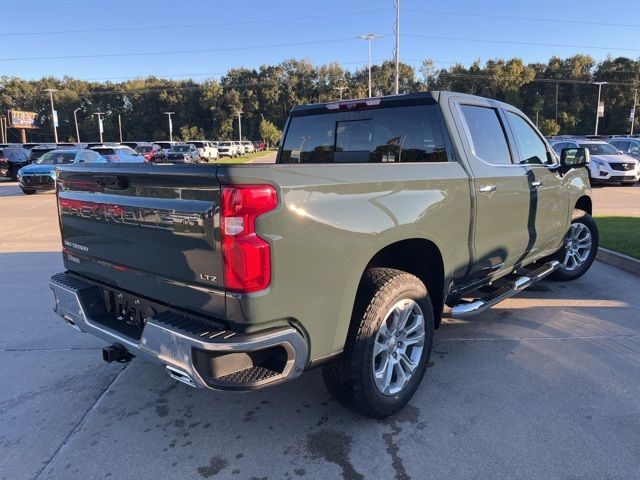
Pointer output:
x,y
575,157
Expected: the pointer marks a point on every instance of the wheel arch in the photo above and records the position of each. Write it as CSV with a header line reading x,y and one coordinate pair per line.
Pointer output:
x,y
584,203
420,257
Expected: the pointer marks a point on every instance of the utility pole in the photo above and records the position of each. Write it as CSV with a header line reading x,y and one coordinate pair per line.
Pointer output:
x,y
396,50
340,89
557,102
100,127
168,114
54,115
239,113
633,110
120,127
369,37
75,120
2,130
598,104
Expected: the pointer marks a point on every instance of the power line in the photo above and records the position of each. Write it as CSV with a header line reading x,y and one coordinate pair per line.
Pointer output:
x,y
178,52
512,42
528,19
197,25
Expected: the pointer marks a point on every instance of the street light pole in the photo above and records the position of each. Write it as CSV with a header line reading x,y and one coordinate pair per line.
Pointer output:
x,y
100,128
168,114
120,127
239,113
53,114
369,37
635,101
598,104
75,120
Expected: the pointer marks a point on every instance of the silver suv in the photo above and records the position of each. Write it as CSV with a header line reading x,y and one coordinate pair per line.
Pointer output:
x,y
628,145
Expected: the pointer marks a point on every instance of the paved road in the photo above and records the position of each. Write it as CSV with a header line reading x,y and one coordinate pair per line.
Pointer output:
x,y
546,385
617,200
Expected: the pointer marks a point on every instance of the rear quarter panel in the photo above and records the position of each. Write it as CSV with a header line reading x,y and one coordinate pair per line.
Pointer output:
x,y
330,222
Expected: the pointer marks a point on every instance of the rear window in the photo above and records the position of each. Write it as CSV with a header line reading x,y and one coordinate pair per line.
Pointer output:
x,y
163,145
487,134
393,134
144,149
180,148
197,144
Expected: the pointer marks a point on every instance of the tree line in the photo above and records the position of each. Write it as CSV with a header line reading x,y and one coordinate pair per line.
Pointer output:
x,y
559,95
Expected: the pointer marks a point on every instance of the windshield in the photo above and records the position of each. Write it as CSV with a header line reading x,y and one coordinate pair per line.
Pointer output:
x,y
163,145
56,158
144,149
601,149
224,144
197,144
180,148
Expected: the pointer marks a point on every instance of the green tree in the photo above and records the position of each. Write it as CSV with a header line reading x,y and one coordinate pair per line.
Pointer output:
x,y
549,127
269,132
191,133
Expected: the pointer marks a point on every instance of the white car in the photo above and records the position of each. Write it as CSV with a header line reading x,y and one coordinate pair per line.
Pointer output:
x,y
248,147
240,148
208,150
608,164
228,149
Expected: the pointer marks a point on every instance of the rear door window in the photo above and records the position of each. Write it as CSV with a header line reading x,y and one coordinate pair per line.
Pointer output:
x,y
487,134
383,135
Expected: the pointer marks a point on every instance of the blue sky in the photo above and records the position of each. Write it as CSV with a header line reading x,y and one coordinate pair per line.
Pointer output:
x,y
251,33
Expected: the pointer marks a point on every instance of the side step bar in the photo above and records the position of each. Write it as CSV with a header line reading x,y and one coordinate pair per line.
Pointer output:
x,y
481,304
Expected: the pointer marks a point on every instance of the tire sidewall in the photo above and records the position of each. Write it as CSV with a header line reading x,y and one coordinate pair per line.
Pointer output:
x,y
397,292
561,273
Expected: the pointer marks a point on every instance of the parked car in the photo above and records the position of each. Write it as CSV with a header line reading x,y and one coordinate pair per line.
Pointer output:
x,y
39,150
259,146
183,153
608,164
627,145
228,149
119,153
248,147
152,153
41,175
386,210
12,159
166,146
239,148
207,150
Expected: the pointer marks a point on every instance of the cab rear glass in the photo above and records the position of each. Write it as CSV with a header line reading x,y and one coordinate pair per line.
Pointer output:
x,y
382,135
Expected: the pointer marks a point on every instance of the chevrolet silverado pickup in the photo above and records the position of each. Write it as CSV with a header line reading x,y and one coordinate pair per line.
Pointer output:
x,y
377,214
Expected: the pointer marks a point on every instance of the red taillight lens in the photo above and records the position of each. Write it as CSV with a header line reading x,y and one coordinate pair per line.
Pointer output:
x,y
246,256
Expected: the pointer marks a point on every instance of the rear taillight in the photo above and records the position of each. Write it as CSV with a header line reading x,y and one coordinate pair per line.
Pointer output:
x,y
246,256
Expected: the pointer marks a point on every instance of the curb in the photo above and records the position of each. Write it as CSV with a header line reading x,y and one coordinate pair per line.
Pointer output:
x,y
619,260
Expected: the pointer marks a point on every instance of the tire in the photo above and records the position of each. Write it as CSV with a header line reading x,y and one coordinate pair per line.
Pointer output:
x,y
27,191
567,271
350,379
628,184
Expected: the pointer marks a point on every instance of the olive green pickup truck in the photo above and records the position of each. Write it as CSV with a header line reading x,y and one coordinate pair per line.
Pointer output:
x,y
377,214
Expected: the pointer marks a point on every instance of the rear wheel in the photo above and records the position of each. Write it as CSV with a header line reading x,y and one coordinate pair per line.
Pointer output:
x,y
27,191
579,249
387,347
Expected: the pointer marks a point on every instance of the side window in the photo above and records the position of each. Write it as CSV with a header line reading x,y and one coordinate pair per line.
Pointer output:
x,y
531,147
634,148
621,145
487,134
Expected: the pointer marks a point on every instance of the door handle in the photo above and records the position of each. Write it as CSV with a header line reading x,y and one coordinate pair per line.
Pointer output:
x,y
487,189
537,183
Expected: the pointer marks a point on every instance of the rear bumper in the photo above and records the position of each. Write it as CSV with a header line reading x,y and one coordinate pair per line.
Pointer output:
x,y
193,351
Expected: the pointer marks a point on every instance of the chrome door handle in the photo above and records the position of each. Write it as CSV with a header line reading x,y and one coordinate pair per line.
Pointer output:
x,y
487,189
537,183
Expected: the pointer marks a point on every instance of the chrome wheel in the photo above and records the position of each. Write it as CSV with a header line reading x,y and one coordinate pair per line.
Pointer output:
x,y
398,347
577,245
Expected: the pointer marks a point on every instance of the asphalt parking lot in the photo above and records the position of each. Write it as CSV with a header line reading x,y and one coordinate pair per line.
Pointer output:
x,y
545,385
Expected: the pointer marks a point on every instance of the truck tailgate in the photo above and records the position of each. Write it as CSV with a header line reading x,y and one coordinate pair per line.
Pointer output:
x,y
148,229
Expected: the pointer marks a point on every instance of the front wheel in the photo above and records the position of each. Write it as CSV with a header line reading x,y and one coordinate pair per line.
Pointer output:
x,y
579,249
27,191
388,345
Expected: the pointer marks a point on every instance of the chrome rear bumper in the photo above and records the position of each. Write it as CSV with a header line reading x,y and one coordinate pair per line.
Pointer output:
x,y
195,352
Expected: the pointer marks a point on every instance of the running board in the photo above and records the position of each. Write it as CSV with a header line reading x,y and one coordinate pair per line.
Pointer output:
x,y
481,304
